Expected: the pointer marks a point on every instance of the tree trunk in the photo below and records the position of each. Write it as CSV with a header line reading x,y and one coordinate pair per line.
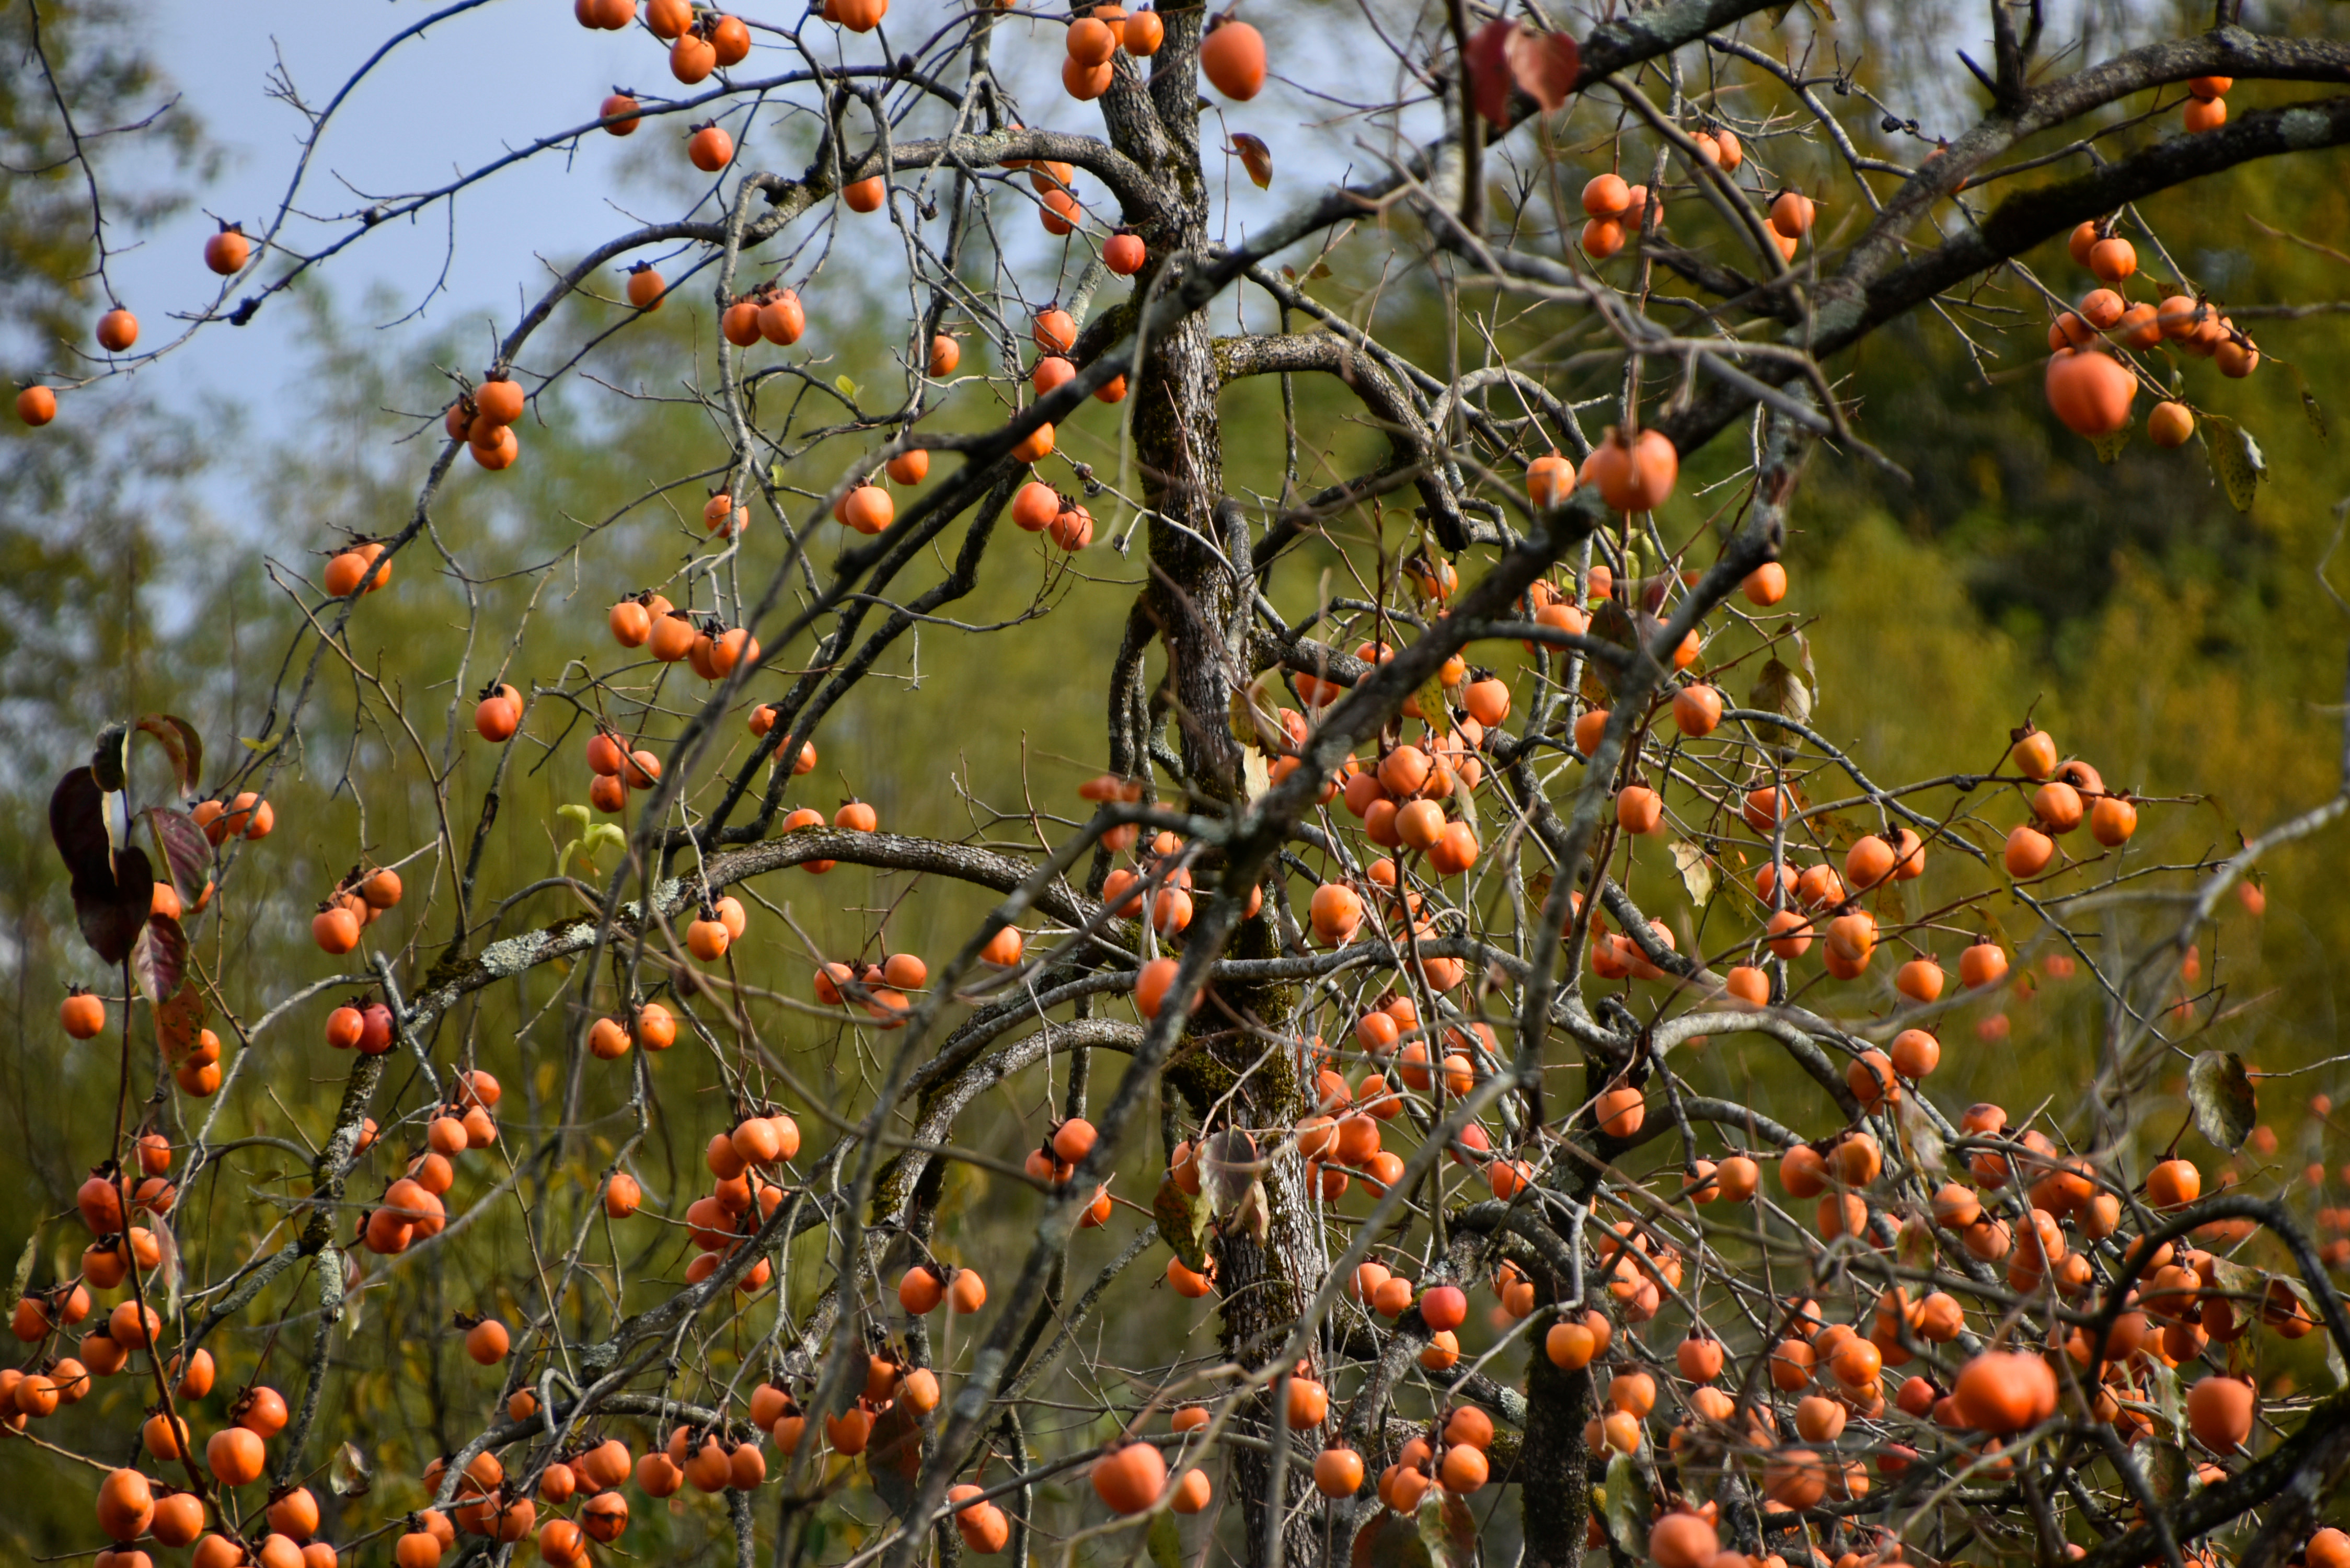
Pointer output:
x,y
1554,1473
1193,598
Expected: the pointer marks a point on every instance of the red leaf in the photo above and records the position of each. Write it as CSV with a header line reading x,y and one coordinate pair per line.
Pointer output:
x,y
1255,157
1544,65
1489,69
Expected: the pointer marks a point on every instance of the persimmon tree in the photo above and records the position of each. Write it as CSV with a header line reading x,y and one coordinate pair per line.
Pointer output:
x,y
1385,952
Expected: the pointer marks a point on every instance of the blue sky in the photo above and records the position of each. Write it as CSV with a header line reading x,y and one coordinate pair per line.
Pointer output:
x,y
504,73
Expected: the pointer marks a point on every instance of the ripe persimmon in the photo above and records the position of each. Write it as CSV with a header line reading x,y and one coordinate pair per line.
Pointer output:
x,y
710,148
619,113
2003,1392
2090,391
1619,1111
1635,475
691,60
81,1015
782,318
1232,57
1036,446
1130,1479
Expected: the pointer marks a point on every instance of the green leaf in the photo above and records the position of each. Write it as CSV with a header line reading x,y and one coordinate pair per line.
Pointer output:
x,y
2236,459
1696,872
2221,1095
25,1260
845,386
2167,1470
1919,1136
1182,1218
1447,1528
2166,1402
1779,690
2109,446
1165,1541
1623,1522
2243,1289
349,1476
2313,411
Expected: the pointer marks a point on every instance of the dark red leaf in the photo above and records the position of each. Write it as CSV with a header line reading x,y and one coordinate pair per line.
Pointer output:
x,y
894,1456
1489,70
112,891
186,855
160,962
1544,65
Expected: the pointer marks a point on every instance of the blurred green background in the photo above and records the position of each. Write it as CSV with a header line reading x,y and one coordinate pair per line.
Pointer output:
x,y
2187,650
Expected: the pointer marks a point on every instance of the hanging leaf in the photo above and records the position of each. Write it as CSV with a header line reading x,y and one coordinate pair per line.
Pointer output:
x,y
2166,1402
1489,70
894,1456
112,890
2314,412
1697,871
1544,65
167,1245
1919,1136
1447,1528
2241,1288
1165,1541
1255,157
349,1477
1253,1215
1623,1523
182,745
25,1261
1389,1540
1779,690
179,1021
1182,1220
2167,1470
110,759
2221,1095
1227,1166
1254,714
1428,703
2236,459
182,851
160,962
1256,775
2109,445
